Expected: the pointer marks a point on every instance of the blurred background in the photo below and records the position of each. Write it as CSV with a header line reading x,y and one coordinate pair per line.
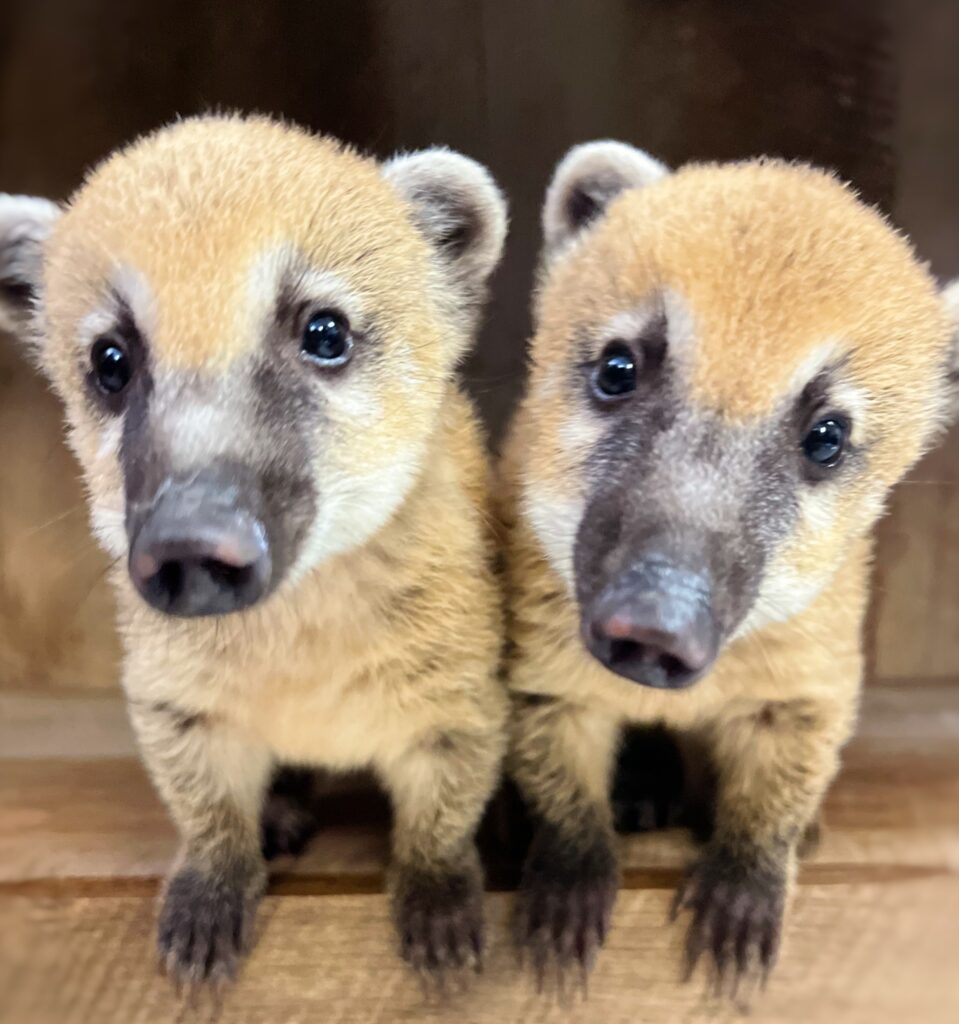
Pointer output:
x,y
869,88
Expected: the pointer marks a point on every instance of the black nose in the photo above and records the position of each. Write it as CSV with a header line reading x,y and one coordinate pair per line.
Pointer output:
x,y
209,562
655,626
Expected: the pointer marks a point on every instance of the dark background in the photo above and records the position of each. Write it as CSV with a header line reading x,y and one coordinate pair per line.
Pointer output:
x,y
869,88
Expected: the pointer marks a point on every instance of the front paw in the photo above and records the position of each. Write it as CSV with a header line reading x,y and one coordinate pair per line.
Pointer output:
x,y
205,924
565,901
439,918
737,902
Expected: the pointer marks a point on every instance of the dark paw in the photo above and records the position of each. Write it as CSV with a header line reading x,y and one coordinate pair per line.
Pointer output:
x,y
205,925
289,819
737,906
565,903
439,919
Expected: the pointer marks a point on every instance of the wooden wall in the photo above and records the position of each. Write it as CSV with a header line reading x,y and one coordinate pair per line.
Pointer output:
x,y
870,88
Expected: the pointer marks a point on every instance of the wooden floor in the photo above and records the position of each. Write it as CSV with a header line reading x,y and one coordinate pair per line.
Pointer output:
x,y
873,935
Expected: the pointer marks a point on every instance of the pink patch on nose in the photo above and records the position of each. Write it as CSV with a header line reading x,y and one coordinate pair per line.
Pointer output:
x,y
145,566
235,553
619,627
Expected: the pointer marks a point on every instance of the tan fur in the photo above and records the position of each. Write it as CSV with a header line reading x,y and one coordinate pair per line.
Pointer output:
x,y
380,649
769,272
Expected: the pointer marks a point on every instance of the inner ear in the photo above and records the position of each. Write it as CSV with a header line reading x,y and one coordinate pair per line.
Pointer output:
x,y
583,205
448,220
457,207
586,181
25,224
461,231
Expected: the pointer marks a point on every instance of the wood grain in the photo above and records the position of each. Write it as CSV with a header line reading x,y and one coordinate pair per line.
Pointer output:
x,y
83,843
859,952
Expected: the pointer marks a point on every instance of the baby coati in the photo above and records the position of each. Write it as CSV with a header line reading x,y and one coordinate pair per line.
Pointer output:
x,y
255,333
731,366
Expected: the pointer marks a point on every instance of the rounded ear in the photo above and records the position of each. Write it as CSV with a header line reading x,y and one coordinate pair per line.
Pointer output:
x,y
25,224
586,181
950,296
458,208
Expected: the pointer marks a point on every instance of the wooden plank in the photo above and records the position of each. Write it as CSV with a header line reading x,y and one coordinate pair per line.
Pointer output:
x,y
92,814
83,841
102,819
876,953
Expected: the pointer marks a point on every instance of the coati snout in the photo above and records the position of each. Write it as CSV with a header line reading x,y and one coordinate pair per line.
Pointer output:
x,y
654,624
203,547
682,509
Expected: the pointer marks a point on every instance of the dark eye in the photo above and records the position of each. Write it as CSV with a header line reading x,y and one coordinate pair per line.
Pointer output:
x,y
615,374
327,339
111,366
824,444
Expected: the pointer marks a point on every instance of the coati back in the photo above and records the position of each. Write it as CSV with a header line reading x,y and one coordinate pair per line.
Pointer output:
x,y
255,331
731,366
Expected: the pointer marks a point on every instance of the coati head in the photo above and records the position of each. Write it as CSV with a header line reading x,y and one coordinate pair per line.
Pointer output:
x,y
253,330
731,366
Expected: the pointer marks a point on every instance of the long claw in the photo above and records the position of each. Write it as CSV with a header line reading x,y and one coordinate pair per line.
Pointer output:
x,y
737,909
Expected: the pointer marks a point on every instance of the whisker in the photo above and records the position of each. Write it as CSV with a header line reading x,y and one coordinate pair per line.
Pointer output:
x,y
34,530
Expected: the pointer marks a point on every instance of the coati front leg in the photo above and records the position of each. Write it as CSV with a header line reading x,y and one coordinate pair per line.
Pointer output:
x,y
439,788
774,762
561,760
213,780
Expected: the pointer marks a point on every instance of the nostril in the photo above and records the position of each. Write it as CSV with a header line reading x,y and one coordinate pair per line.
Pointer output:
x,y
167,580
651,655
674,667
200,583
622,650
654,624
226,575
190,576
197,549
664,665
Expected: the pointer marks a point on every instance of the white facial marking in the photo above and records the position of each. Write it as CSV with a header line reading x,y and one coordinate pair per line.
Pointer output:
x,y
109,526
353,506
555,521
133,287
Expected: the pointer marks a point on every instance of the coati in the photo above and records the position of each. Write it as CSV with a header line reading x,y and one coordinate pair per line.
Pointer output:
x,y
731,365
254,331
